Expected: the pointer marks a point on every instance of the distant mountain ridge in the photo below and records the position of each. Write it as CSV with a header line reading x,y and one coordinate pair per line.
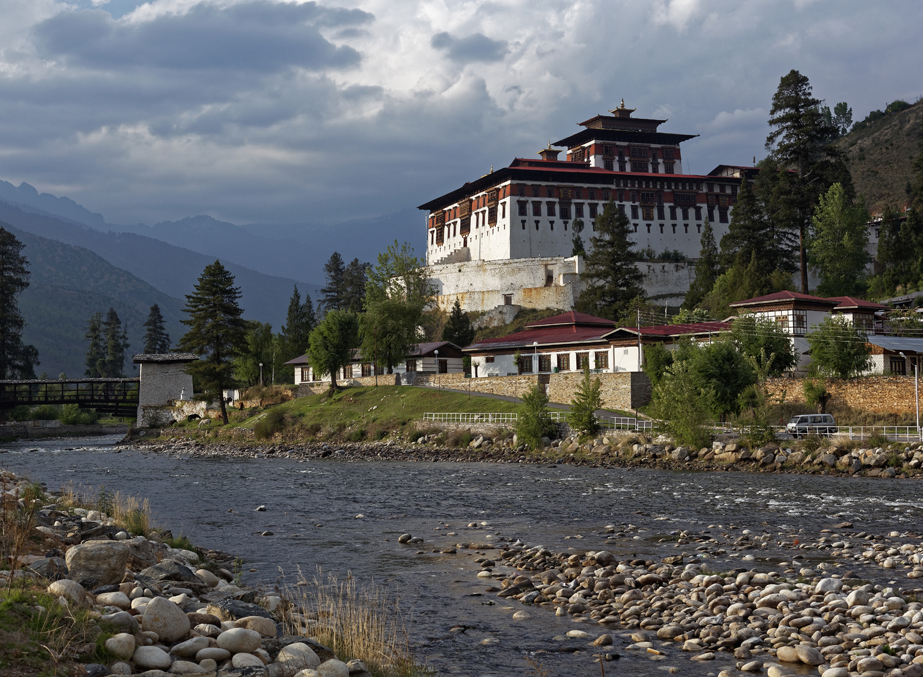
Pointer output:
x,y
296,251
170,269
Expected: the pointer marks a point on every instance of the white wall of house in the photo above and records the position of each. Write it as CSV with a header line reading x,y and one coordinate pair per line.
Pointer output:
x,y
601,359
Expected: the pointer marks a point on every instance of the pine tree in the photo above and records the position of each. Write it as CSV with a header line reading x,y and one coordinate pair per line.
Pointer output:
x,y
577,246
587,399
458,329
17,360
217,332
156,339
355,276
296,332
333,292
611,278
799,141
707,269
838,239
750,232
96,355
115,343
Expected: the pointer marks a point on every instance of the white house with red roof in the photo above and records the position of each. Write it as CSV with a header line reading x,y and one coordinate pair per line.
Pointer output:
x,y
797,314
435,357
566,342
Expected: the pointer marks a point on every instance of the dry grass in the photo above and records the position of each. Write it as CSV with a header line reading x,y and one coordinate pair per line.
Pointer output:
x,y
131,513
17,526
355,622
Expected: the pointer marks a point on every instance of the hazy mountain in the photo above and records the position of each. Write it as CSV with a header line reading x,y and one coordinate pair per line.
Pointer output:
x,y
67,285
297,251
29,199
172,270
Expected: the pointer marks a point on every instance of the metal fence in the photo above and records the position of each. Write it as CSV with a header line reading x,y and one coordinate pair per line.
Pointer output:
x,y
895,433
607,422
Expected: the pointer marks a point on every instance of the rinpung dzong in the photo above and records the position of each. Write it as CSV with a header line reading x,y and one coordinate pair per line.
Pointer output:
x,y
506,238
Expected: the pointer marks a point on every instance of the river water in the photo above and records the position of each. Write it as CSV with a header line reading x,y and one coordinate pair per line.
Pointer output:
x,y
312,508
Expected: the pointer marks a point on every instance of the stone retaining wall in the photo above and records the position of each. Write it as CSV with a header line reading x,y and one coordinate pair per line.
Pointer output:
x,y
873,394
624,390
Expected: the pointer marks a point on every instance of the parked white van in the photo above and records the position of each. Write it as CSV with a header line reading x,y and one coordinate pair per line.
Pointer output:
x,y
811,424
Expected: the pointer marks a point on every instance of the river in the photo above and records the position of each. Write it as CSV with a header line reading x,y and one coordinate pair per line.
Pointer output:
x,y
312,510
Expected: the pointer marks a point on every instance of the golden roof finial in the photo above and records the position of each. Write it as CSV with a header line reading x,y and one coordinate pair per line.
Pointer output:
x,y
622,105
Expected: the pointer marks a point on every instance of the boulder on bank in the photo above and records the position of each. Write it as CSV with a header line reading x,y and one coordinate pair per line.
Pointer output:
x,y
97,563
166,619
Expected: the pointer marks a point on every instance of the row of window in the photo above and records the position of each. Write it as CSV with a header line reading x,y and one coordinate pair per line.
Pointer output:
x,y
562,362
603,194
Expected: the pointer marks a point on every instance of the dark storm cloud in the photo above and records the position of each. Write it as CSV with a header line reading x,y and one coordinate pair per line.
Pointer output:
x,y
258,36
473,48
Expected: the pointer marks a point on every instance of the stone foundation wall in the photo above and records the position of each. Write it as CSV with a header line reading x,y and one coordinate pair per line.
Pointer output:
x,y
624,390
874,394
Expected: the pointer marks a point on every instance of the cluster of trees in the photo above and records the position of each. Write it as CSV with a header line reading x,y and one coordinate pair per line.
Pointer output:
x,y
377,310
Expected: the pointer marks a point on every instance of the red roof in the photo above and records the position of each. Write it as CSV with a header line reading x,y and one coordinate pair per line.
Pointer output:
x,y
668,330
572,318
784,296
850,303
544,337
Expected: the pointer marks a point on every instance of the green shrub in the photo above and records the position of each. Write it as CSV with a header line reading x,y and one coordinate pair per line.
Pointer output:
x,y
72,414
684,404
534,421
356,435
20,412
877,440
45,412
272,422
582,414
813,442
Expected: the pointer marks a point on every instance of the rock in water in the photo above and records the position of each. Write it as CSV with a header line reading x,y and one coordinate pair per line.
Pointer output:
x,y
97,563
166,619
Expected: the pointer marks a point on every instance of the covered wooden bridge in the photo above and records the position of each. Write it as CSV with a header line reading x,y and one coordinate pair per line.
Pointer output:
x,y
115,396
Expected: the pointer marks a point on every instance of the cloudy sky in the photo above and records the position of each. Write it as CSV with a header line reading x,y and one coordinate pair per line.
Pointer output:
x,y
284,112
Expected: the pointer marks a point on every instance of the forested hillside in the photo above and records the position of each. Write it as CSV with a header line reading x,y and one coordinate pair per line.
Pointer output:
x,y
879,153
67,285
172,270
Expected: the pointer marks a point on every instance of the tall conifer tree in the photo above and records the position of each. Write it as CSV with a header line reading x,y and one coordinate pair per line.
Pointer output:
x,y
115,343
332,293
707,269
156,338
96,355
17,360
295,336
798,141
217,332
611,278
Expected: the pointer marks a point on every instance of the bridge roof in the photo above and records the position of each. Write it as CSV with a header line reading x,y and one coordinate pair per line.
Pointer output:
x,y
164,358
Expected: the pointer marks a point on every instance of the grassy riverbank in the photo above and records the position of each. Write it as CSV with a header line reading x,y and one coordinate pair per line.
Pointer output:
x,y
353,414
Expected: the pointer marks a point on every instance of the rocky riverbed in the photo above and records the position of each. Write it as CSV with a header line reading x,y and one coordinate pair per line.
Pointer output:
x,y
831,456
167,614
476,551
